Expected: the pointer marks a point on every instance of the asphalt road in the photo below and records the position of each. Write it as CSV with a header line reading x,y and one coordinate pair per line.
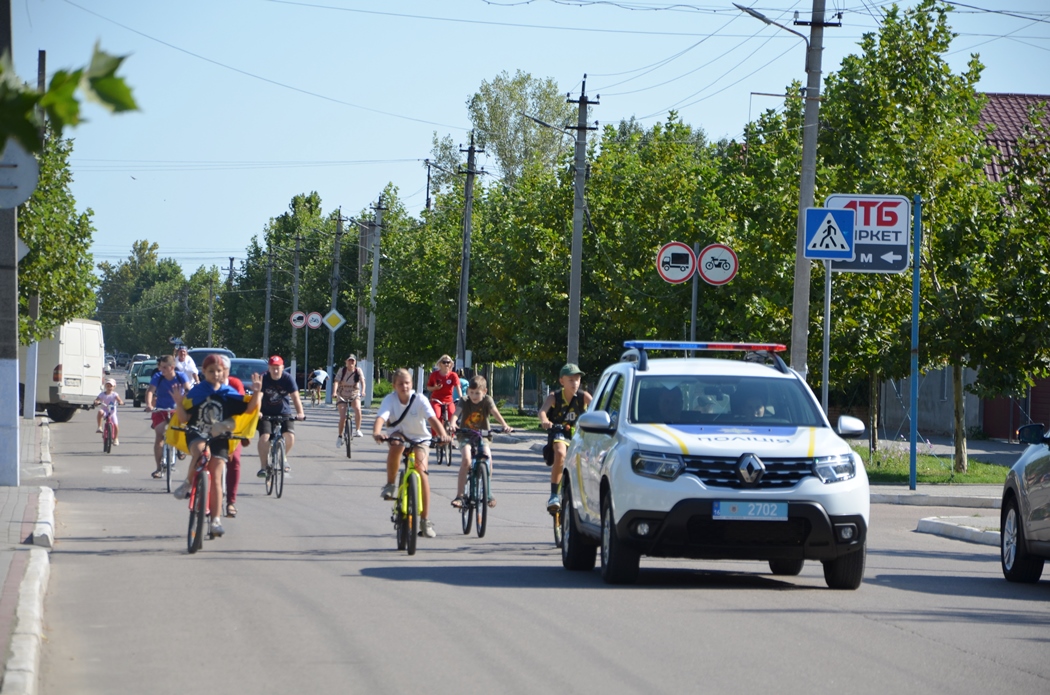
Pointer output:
x,y
307,593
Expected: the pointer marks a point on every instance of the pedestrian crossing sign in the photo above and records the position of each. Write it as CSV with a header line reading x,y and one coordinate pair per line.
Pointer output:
x,y
829,234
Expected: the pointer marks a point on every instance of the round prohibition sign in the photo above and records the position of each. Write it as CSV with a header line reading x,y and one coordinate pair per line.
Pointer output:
x,y
297,319
314,320
675,262
717,264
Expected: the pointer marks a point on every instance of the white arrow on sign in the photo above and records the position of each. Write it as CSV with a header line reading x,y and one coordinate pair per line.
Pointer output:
x,y
891,257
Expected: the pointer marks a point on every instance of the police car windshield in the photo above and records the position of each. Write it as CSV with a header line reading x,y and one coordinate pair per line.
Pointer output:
x,y
721,400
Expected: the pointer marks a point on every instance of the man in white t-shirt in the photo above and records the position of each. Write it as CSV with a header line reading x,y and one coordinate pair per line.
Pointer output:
x,y
185,363
408,415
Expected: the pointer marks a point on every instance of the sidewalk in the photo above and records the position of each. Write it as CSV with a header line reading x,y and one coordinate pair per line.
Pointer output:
x,y
28,511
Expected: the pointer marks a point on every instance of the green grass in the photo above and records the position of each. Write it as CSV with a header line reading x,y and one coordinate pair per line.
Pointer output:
x,y
891,464
522,422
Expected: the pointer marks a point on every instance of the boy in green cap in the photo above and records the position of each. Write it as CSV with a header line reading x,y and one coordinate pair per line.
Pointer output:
x,y
562,407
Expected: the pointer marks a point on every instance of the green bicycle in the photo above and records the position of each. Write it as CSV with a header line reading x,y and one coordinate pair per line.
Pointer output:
x,y
409,499
478,490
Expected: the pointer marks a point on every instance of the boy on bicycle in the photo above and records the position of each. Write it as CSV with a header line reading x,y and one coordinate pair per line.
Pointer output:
x,y
408,416
347,388
473,412
209,407
280,393
164,387
562,407
109,398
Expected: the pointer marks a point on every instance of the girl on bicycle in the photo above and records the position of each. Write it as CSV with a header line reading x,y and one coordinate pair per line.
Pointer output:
x,y
473,413
107,399
445,388
209,408
347,385
411,415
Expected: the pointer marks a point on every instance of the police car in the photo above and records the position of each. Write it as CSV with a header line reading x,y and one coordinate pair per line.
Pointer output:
x,y
713,458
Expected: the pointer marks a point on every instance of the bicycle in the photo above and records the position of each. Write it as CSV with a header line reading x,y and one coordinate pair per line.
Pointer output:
x,y
278,457
479,478
350,426
107,426
556,514
167,454
200,486
444,451
409,499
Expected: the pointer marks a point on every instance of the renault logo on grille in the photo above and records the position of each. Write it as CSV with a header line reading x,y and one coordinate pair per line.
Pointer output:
x,y
750,469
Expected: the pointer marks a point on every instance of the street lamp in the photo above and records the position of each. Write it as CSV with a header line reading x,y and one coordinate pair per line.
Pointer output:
x,y
800,299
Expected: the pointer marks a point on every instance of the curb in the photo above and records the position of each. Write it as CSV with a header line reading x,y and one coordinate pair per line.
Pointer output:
x,y
922,500
44,529
959,531
23,664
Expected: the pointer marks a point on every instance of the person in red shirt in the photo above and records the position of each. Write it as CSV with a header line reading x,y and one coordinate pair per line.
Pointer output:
x,y
444,387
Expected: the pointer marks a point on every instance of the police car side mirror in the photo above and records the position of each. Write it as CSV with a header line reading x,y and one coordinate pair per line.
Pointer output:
x,y
850,427
597,421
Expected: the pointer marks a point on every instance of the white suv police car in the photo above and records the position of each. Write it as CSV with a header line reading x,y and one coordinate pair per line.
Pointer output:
x,y
712,458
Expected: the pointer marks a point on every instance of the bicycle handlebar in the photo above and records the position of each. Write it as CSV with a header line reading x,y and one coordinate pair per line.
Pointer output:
x,y
414,442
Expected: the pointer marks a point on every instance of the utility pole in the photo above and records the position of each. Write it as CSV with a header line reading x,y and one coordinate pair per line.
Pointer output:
x,y
227,330
269,291
573,353
9,427
364,243
800,298
464,274
371,370
33,350
295,300
335,302
211,309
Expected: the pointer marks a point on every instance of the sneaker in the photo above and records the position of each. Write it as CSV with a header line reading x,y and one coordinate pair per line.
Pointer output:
x,y
426,528
116,442
216,528
98,431
262,473
182,492
339,443
358,434
388,491
554,504
180,456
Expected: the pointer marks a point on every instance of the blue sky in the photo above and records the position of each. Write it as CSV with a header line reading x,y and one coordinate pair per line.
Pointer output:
x,y
246,103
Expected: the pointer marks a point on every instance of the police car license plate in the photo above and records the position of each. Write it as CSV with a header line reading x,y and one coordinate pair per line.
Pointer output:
x,y
750,511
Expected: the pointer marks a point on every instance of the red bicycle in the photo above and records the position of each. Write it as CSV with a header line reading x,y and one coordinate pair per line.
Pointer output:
x,y
107,426
200,485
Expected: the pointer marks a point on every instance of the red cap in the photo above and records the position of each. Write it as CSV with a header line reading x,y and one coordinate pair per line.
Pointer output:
x,y
276,359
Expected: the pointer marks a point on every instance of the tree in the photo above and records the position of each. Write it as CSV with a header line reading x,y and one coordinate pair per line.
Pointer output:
x,y
897,120
58,266
21,105
126,297
500,112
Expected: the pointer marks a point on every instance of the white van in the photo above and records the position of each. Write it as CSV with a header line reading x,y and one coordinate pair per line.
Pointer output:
x,y
70,368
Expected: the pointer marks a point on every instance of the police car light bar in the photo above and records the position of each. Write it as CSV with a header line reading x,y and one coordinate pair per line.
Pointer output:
x,y
685,345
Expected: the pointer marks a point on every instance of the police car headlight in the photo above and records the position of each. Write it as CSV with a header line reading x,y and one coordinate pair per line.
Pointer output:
x,y
834,469
663,466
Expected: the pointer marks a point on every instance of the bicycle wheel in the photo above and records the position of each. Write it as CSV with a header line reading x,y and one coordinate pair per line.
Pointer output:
x,y
481,506
348,433
278,471
467,510
271,467
195,534
107,437
412,513
556,516
167,460
400,524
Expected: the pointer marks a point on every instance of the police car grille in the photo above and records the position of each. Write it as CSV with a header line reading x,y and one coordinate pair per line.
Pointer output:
x,y
722,472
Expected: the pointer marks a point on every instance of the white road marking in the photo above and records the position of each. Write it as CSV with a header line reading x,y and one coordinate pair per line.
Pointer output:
x,y
116,470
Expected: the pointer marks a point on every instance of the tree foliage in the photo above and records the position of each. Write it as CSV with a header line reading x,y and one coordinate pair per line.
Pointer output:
x,y
58,265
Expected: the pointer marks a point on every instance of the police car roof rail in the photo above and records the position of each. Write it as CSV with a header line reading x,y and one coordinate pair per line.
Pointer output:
x,y
637,351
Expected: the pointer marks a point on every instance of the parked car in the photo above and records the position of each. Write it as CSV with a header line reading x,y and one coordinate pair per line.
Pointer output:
x,y
123,360
142,379
244,367
129,382
111,361
198,354
713,458
1024,522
